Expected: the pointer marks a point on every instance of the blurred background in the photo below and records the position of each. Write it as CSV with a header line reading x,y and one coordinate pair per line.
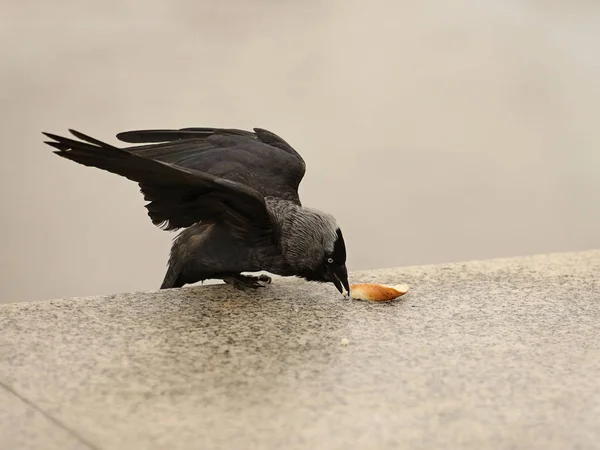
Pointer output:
x,y
434,130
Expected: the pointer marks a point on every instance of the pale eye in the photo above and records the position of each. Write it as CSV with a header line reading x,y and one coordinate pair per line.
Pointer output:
x,y
330,260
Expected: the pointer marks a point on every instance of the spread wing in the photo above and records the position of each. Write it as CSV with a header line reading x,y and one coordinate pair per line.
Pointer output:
x,y
260,159
179,196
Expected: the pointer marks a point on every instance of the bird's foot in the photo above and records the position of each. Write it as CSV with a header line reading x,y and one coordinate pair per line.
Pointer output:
x,y
248,281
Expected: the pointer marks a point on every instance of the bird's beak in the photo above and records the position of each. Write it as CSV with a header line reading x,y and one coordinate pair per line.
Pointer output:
x,y
339,277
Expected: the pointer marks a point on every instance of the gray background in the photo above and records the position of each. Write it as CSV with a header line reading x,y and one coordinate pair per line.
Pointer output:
x,y
435,130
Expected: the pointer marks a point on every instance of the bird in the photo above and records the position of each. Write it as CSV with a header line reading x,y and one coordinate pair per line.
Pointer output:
x,y
231,194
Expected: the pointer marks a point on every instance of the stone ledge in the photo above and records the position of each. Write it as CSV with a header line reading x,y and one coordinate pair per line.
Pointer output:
x,y
494,354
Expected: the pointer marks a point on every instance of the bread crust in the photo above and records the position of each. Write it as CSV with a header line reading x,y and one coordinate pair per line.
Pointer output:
x,y
377,292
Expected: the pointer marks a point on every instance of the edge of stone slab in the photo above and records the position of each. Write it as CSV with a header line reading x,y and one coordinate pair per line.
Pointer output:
x,y
489,263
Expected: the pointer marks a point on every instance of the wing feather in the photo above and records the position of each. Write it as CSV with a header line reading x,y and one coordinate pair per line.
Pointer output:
x,y
179,196
260,158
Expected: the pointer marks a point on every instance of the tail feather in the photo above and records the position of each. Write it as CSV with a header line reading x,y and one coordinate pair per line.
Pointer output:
x,y
172,279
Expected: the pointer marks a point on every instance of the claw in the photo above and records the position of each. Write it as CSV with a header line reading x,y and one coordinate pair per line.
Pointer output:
x,y
265,279
243,282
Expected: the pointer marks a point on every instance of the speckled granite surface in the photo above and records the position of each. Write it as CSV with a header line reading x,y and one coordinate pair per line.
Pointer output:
x,y
502,354
22,426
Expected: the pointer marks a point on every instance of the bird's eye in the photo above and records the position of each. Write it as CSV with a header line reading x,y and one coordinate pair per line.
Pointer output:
x,y
330,260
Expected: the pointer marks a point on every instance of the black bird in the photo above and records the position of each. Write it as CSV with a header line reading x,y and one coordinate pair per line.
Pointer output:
x,y
234,194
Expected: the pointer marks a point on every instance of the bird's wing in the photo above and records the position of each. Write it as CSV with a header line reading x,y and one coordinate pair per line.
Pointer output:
x,y
178,196
259,159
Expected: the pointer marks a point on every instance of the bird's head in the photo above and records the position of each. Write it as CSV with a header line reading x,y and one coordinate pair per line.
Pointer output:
x,y
317,251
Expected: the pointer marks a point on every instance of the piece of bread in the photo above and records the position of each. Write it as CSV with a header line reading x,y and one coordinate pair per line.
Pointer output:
x,y
377,292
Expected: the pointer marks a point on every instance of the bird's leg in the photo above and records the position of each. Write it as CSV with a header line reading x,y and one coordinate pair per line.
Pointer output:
x,y
240,281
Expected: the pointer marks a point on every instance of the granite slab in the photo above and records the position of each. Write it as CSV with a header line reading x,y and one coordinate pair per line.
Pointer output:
x,y
500,354
23,426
